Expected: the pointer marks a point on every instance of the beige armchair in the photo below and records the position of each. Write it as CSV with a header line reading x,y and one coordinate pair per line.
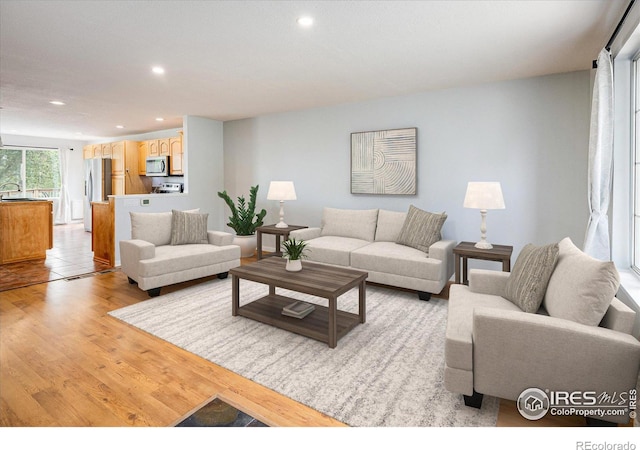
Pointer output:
x,y
493,347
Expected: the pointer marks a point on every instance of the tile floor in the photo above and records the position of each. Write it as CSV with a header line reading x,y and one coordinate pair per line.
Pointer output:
x,y
70,256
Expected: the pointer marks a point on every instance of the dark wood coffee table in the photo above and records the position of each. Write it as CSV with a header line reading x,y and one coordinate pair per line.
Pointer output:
x,y
323,324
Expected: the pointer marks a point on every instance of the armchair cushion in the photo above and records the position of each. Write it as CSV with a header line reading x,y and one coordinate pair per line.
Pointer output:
x,y
188,228
421,229
528,281
581,287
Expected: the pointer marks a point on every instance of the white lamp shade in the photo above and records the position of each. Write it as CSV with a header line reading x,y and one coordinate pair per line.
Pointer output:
x,y
281,190
484,195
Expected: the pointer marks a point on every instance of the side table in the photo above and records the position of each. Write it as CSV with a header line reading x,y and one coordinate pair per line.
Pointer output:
x,y
272,229
465,250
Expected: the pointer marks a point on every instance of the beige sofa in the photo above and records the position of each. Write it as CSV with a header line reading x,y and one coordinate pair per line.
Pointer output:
x,y
578,339
150,260
368,240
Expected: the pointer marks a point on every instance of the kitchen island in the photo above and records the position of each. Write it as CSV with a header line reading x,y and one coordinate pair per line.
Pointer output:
x,y
26,229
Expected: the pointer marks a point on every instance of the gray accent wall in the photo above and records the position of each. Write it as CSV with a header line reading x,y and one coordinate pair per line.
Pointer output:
x,y
529,134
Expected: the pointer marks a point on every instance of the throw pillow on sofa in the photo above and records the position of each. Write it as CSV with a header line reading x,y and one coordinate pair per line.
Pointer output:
x,y
421,229
529,278
350,223
581,287
188,228
153,227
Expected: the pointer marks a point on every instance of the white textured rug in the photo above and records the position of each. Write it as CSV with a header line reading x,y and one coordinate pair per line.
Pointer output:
x,y
386,372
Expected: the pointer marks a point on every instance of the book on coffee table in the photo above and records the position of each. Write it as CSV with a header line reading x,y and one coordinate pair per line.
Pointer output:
x,y
298,309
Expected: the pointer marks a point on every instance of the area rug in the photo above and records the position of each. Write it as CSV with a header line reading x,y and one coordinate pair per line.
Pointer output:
x,y
387,372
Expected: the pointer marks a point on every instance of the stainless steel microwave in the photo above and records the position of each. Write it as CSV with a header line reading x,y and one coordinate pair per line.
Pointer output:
x,y
157,166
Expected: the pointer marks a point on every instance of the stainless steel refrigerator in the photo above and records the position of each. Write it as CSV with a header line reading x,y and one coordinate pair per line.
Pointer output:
x,y
97,185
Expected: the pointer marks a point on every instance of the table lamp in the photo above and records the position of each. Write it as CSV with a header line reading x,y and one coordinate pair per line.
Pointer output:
x,y
484,195
281,191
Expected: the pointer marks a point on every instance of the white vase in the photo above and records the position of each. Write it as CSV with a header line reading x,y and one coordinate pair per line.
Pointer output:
x,y
294,265
247,245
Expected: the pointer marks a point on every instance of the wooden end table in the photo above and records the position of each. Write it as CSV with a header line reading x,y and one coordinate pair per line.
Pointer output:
x,y
465,250
272,229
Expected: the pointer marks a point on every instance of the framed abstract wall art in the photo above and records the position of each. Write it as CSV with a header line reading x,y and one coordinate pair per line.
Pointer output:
x,y
384,162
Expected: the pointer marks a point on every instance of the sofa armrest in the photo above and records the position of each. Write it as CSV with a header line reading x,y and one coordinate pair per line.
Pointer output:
x,y
443,251
132,252
513,351
619,317
219,238
491,282
306,234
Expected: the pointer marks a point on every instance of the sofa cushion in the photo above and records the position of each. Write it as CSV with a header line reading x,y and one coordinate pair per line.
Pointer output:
x,y
153,227
581,287
350,223
389,225
389,257
188,228
184,257
421,229
528,280
333,250
459,333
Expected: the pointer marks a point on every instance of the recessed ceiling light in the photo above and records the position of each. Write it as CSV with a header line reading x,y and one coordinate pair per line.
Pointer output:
x,y
305,21
157,70
57,102
120,127
159,119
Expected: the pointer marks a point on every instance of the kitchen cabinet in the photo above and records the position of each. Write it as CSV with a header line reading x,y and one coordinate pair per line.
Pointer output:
x,y
106,151
153,147
176,157
26,230
143,151
87,152
103,232
163,147
125,178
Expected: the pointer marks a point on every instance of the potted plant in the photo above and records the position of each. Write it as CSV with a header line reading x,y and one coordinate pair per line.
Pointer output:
x,y
294,252
244,220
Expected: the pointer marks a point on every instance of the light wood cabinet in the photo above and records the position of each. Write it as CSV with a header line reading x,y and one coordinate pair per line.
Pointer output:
x,y
153,148
118,158
118,185
26,230
143,151
124,170
105,150
164,147
96,150
103,232
176,157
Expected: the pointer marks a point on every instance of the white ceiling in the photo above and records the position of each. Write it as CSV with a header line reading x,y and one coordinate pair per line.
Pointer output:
x,y
235,59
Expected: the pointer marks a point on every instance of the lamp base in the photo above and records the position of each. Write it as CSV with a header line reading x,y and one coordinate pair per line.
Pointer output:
x,y
483,245
281,224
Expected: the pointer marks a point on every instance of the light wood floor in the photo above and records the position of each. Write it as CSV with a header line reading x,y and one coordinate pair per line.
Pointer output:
x,y
65,362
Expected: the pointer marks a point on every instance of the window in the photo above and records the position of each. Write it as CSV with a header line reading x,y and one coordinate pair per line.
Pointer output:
x,y
36,171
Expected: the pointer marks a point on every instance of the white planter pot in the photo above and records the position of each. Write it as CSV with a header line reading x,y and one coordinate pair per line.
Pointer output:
x,y
247,245
294,265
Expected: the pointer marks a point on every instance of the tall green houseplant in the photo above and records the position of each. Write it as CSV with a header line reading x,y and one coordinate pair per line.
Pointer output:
x,y
243,219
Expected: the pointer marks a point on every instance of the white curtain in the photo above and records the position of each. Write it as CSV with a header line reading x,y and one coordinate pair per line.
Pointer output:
x,y
596,242
63,212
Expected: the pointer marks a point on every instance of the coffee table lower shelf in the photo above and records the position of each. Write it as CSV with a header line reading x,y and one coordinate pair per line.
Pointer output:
x,y
268,310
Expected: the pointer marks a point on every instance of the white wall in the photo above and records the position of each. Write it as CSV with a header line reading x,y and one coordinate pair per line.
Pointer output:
x,y
530,134
76,165
204,162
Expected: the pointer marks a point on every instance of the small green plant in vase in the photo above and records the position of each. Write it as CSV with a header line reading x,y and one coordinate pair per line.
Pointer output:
x,y
294,251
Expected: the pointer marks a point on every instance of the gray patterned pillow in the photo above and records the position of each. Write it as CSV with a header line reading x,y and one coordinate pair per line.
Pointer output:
x,y
421,229
529,278
188,228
